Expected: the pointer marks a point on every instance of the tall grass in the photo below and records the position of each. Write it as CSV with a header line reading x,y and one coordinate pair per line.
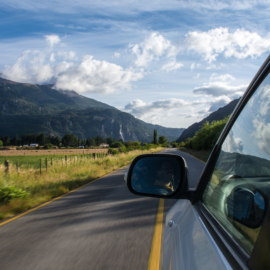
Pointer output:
x,y
58,180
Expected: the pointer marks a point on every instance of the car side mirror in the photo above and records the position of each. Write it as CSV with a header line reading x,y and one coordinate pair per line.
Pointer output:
x,y
158,175
246,206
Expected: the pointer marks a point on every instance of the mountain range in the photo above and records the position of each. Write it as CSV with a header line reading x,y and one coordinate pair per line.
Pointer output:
x,y
31,108
220,114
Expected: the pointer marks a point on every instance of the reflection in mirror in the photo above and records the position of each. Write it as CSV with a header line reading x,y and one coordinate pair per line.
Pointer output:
x,y
246,207
156,175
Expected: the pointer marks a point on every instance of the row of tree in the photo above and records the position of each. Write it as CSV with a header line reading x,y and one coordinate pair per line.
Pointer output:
x,y
42,140
70,140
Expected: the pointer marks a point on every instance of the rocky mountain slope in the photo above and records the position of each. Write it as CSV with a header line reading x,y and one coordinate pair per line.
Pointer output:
x,y
30,108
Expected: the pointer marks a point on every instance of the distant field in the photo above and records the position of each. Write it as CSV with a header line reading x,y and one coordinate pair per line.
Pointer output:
x,y
31,159
6,153
23,189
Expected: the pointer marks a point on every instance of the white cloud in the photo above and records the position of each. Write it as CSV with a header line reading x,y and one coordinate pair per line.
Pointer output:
x,y
192,66
173,65
216,89
143,109
223,78
94,76
232,144
212,66
152,48
52,40
86,76
239,44
52,59
116,55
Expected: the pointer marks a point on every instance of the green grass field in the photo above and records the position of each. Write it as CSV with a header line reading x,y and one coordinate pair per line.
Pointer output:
x,y
22,190
28,162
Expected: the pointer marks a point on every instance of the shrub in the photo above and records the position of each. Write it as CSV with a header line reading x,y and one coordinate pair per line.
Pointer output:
x,y
117,145
48,146
9,193
122,149
112,151
207,136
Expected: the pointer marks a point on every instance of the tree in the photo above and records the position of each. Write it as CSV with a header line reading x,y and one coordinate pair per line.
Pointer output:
x,y
70,140
162,140
99,140
41,139
155,141
1,143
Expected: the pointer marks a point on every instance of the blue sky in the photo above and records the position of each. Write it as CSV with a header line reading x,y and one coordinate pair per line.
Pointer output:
x,y
166,62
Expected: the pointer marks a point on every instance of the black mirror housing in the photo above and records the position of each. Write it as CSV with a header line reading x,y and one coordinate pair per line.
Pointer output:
x,y
159,176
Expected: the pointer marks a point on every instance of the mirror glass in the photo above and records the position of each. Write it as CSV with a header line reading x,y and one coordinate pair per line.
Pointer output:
x,y
246,207
156,175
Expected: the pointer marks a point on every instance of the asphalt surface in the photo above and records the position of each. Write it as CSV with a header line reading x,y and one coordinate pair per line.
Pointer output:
x,y
100,226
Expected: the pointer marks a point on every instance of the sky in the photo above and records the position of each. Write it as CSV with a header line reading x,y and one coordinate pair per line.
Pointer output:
x,y
170,62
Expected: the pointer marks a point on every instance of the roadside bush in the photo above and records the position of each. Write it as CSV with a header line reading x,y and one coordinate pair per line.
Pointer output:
x,y
122,149
207,136
175,145
117,145
112,151
9,193
48,146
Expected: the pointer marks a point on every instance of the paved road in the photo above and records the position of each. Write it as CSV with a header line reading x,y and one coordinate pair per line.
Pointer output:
x,y
101,226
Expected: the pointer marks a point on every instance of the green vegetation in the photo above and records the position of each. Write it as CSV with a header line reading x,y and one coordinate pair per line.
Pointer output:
x,y
162,140
1,143
23,190
155,141
207,136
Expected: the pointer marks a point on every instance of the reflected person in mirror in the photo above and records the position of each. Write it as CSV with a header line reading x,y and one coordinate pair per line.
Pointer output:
x,y
165,178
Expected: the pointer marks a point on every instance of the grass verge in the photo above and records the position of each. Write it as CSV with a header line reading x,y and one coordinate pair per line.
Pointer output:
x,y
59,179
202,155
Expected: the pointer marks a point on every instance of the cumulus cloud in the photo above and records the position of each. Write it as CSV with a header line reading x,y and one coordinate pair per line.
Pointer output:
x,y
94,76
173,65
152,48
216,89
85,76
232,144
52,40
239,44
142,109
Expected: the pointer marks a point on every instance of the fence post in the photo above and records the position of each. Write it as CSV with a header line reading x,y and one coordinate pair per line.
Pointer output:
x,y
40,167
7,166
46,165
52,162
17,165
62,161
94,155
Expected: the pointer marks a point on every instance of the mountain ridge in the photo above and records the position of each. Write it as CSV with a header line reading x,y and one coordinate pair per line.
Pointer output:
x,y
220,114
31,108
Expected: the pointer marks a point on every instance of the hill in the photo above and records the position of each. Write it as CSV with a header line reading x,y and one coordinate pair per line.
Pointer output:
x,y
220,114
30,108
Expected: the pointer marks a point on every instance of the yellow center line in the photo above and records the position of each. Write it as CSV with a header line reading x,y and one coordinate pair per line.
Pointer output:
x,y
154,260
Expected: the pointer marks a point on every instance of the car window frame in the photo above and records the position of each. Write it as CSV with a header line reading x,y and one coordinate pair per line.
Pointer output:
x,y
235,254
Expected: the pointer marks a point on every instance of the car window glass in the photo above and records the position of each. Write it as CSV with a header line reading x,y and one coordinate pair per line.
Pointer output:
x,y
238,191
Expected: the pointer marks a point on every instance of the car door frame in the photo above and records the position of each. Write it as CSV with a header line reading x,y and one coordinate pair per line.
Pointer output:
x,y
234,253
